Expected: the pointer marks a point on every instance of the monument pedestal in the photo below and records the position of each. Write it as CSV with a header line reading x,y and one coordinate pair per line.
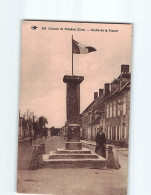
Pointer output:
x,y
73,146
73,137
73,156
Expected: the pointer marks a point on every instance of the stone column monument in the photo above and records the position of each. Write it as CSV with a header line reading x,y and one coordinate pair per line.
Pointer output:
x,y
73,155
73,111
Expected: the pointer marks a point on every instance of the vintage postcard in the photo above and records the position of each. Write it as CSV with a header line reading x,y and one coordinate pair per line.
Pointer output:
x,y
73,134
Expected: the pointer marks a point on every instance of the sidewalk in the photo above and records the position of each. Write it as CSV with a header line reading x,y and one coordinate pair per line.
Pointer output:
x,y
23,139
89,142
121,151
93,143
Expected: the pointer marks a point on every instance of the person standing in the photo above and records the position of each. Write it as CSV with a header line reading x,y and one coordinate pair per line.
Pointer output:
x,y
100,143
31,136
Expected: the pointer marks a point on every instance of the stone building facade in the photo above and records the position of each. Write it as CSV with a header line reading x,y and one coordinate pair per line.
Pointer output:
x,y
117,107
93,115
110,110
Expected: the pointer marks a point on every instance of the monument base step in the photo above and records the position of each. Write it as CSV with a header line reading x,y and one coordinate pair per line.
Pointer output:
x,y
99,163
55,155
84,158
64,151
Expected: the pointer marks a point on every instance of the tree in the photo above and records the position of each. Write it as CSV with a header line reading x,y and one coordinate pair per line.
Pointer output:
x,y
42,122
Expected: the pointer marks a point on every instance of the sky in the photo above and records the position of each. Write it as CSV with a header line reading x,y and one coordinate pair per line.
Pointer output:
x,y
46,56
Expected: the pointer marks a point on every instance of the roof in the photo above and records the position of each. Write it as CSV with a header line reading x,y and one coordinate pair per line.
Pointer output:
x,y
126,86
115,81
125,75
89,106
98,104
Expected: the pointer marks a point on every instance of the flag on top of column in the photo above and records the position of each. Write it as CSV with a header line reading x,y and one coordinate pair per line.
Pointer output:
x,y
78,48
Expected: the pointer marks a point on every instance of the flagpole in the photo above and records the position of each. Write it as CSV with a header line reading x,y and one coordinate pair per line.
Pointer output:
x,y
72,55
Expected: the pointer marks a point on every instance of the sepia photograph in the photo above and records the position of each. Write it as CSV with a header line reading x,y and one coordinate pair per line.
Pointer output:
x,y
74,108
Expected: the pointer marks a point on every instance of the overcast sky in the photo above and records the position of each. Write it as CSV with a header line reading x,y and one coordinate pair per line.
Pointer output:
x,y
46,56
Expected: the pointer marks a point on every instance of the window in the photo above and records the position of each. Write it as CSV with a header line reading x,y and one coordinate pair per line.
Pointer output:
x,y
124,106
117,133
111,133
110,110
107,111
125,132
119,107
118,113
90,117
114,109
108,132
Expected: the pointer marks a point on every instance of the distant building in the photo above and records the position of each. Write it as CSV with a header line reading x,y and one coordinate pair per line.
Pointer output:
x,y
55,131
117,107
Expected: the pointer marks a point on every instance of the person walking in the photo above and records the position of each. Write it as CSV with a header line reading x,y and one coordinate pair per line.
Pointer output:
x,y
100,143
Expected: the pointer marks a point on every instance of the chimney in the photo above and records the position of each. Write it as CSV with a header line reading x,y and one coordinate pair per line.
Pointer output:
x,y
125,75
100,92
106,89
95,95
124,68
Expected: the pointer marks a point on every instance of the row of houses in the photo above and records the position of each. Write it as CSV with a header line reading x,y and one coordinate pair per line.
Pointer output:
x,y
27,125
109,110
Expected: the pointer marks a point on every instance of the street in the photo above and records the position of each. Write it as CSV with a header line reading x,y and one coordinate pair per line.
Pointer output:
x,y
69,181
